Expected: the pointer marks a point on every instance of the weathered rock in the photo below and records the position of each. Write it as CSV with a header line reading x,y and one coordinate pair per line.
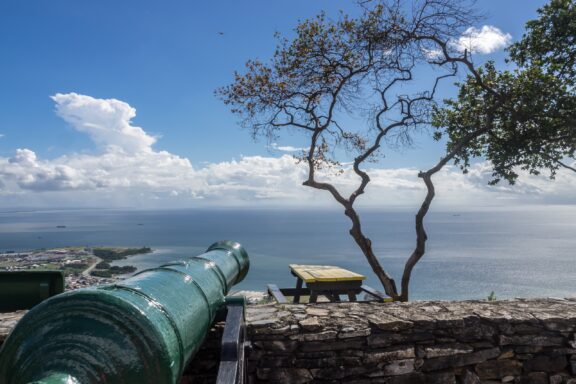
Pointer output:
x,y
328,362
527,349
385,339
482,344
469,377
316,355
280,346
349,332
418,378
506,354
534,378
264,323
559,379
447,350
268,308
524,329
560,326
498,369
533,340
310,324
546,364
340,372
474,332
7,322
327,335
444,362
383,356
286,375
312,311
315,346
399,367
276,361
275,328
389,323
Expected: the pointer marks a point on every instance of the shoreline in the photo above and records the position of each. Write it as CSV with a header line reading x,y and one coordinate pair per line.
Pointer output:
x,y
80,265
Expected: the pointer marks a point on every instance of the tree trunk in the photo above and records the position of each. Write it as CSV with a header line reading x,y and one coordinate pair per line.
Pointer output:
x,y
421,236
366,246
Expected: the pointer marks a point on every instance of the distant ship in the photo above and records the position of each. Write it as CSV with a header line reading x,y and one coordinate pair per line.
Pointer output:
x,y
60,226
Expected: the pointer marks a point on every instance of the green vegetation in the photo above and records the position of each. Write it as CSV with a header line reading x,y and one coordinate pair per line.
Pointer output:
x,y
102,265
77,266
101,273
68,269
110,254
113,270
522,118
74,260
116,270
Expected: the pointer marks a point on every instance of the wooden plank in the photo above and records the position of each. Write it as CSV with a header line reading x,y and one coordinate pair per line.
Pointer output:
x,y
298,287
334,297
277,294
336,286
295,291
351,296
313,297
380,296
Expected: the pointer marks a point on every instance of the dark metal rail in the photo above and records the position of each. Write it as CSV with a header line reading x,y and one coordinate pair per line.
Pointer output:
x,y
232,368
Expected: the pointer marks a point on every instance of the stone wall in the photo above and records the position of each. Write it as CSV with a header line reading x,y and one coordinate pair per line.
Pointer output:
x,y
520,341
7,322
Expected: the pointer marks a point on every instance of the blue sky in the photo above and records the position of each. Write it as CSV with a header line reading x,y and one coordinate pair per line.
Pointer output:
x,y
164,59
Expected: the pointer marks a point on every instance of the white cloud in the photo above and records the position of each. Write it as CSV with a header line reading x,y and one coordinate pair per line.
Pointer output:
x,y
1,135
106,121
286,148
485,40
129,172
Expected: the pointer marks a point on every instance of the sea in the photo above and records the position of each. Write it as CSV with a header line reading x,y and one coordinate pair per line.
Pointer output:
x,y
517,252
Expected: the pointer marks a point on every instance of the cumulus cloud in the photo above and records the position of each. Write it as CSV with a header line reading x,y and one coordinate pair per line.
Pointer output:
x,y
29,173
106,121
484,40
128,171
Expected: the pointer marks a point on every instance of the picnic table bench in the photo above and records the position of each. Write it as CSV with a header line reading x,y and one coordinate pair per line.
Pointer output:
x,y
323,280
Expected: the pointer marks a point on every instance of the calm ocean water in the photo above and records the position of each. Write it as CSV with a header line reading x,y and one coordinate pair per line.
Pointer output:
x,y
517,253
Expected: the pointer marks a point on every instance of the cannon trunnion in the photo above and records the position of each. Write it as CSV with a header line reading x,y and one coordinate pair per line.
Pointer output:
x,y
142,330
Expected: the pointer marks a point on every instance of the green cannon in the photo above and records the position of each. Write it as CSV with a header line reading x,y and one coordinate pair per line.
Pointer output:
x,y
142,330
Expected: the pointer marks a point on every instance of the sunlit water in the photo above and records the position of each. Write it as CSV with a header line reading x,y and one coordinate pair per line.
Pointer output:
x,y
519,253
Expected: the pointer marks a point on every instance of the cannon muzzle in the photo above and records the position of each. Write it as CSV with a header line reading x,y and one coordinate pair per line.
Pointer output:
x,y
144,329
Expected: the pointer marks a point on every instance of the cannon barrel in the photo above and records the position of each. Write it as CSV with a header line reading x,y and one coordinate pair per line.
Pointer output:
x,y
144,329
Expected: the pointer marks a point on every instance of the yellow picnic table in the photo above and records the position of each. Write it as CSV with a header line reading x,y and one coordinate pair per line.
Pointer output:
x,y
326,280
